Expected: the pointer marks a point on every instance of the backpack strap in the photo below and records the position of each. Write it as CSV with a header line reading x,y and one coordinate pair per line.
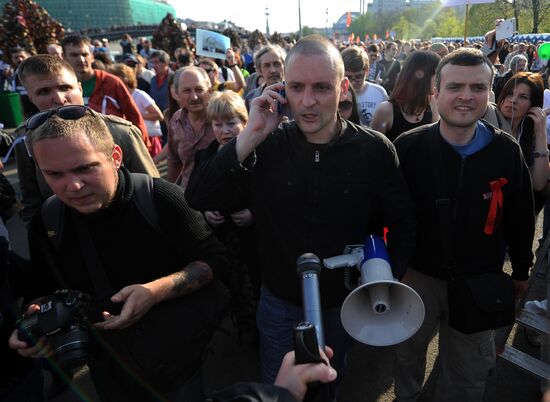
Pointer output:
x,y
53,216
53,210
144,199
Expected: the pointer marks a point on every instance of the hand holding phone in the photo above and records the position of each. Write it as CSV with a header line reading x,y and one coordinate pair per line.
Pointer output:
x,y
281,107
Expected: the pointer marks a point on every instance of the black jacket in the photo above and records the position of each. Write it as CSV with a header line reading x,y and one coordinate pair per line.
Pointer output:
x,y
468,188
167,344
312,198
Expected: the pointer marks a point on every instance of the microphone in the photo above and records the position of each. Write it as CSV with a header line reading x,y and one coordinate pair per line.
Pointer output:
x,y
309,267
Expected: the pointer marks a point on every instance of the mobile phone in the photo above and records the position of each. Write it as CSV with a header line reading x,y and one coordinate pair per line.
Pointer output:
x,y
281,107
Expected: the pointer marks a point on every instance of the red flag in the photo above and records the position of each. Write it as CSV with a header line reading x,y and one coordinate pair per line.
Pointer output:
x,y
348,19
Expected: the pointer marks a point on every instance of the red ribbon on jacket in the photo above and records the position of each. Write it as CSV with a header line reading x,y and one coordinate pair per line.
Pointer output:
x,y
495,209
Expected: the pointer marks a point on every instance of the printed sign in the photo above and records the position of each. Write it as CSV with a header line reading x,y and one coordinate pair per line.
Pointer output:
x,y
212,44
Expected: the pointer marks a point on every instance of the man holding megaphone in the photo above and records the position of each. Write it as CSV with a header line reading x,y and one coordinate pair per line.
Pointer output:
x,y
473,193
315,185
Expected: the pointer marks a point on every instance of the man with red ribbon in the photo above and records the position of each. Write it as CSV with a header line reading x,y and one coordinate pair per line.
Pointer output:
x,y
474,201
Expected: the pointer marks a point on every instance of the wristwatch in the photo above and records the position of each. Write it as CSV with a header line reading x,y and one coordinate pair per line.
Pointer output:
x,y
542,154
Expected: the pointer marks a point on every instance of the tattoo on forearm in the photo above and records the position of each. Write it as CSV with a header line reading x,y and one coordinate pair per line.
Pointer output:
x,y
195,275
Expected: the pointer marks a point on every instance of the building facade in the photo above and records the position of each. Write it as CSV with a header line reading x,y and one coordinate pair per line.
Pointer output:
x,y
84,15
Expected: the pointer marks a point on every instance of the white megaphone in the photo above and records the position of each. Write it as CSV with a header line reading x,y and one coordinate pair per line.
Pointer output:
x,y
381,311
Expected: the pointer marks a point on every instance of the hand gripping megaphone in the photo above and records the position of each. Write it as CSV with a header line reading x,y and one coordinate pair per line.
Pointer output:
x,y
381,311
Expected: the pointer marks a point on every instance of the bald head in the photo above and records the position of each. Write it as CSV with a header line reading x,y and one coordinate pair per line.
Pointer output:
x,y
317,45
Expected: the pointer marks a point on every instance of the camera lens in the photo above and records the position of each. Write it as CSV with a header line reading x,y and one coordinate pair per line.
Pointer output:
x,y
70,348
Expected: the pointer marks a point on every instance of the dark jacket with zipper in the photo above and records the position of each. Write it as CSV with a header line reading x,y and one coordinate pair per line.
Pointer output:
x,y
468,187
312,198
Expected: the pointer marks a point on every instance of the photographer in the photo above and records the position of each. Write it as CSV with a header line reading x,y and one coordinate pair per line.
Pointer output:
x,y
160,303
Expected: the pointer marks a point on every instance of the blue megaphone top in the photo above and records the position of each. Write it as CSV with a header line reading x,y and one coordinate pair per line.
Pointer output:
x,y
375,248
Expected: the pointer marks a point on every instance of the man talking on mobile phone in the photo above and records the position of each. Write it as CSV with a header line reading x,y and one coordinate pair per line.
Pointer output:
x,y
316,184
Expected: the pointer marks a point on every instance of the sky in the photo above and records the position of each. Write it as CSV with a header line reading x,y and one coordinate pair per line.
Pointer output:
x,y
251,14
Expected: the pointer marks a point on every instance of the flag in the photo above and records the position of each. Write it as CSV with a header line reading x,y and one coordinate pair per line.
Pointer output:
x,y
348,19
453,3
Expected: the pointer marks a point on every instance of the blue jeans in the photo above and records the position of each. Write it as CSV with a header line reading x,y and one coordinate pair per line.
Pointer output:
x,y
276,320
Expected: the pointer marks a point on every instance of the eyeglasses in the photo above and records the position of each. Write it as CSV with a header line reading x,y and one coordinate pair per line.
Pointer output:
x,y
345,105
358,77
69,112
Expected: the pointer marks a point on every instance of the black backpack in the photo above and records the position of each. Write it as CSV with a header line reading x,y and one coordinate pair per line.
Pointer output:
x,y
53,210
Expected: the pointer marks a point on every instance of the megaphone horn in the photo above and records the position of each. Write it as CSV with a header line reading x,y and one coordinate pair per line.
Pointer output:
x,y
382,311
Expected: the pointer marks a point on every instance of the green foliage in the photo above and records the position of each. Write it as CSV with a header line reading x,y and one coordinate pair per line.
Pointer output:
x,y
307,30
25,23
433,20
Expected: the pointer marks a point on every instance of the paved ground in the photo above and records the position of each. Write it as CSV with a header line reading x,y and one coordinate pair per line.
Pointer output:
x,y
368,377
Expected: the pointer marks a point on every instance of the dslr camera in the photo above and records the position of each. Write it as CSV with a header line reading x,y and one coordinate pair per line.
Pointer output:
x,y
64,318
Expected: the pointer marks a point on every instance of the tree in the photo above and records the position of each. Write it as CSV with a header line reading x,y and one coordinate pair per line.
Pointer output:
x,y
307,30
29,25
169,36
449,24
541,12
405,29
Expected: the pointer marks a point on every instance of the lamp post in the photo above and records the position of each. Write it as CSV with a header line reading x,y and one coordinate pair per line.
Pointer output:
x,y
267,21
300,18
326,23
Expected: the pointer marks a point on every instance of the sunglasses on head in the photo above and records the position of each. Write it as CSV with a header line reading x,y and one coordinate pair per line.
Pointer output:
x,y
345,105
69,112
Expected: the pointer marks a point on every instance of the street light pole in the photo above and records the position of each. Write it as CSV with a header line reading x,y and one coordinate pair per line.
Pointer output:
x,y
267,21
326,24
300,18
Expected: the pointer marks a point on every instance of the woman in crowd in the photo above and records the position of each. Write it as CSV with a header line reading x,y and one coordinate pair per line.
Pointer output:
x,y
235,228
348,107
520,113
145,104
411,103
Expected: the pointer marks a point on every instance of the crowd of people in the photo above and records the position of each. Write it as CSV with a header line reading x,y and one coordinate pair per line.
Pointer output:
x,y
271,152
